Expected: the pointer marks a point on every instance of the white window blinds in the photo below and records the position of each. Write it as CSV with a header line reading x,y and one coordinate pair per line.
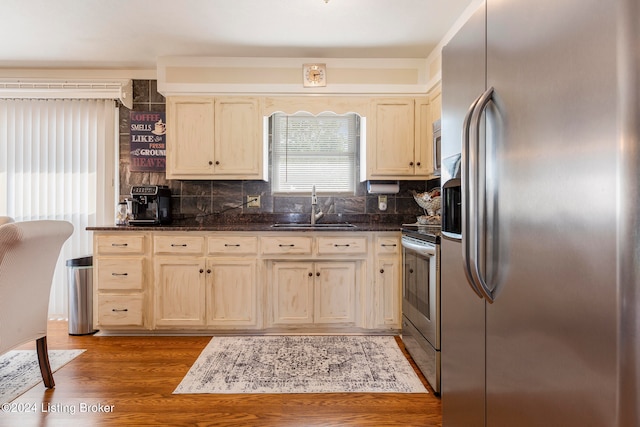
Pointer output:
x,y
312,150
57,161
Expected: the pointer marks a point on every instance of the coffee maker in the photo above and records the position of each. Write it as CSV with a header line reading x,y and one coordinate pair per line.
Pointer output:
x,y
149,205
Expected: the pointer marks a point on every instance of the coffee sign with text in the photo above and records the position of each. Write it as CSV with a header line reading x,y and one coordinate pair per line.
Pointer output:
x,y
148,141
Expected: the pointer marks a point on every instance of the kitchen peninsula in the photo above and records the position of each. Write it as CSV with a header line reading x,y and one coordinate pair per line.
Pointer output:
x,y
253,278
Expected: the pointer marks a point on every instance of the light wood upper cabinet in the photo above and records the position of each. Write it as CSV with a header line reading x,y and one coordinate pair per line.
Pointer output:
x,y
214,138
190,149
238,141
391,136
399,142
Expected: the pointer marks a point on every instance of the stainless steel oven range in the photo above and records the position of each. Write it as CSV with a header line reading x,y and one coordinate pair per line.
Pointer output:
x,y
421,301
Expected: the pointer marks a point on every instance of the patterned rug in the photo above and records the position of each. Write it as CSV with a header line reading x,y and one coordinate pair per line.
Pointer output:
x,y
20,371
301,364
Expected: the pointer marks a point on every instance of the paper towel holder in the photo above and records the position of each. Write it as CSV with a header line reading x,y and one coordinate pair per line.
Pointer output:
x,y
383,187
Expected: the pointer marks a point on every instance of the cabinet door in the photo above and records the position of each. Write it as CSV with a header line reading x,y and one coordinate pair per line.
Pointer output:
x,y
388,292
231,293
335,284
292,292
392,138
238,138
180,291
190,150
423,139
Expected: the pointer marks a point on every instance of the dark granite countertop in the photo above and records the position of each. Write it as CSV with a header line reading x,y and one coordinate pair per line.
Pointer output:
x,y
264,222
251,227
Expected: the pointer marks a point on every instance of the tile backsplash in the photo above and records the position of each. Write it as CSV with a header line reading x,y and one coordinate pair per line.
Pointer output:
x,y
216,201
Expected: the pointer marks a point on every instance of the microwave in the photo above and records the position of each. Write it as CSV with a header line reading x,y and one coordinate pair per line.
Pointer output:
x,y
436,147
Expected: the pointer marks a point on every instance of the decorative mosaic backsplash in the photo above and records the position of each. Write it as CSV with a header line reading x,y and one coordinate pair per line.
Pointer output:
x,y
222,201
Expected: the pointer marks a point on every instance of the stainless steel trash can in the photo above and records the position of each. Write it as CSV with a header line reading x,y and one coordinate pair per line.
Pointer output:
x,y
80,281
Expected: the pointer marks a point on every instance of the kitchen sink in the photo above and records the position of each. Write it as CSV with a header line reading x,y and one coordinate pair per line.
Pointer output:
x,y
322,225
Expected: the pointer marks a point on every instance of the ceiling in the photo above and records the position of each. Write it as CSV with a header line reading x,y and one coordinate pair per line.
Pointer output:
x,y
132,34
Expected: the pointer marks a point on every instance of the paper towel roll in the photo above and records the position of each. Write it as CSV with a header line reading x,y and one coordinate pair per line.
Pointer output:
x,y
383,187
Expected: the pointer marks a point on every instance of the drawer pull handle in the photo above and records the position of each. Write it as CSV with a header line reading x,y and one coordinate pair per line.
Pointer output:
x,y
119,274
173,245
335,245
116,310
391,246
227,245
286,246
122,245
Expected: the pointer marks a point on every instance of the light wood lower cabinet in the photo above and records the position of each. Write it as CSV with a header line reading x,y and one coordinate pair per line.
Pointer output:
x,y
120,276
307,281
306,293
180,291
232,288
291,293
388,281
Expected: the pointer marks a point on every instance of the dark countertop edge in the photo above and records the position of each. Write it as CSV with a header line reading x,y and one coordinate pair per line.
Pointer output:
x,y
250,227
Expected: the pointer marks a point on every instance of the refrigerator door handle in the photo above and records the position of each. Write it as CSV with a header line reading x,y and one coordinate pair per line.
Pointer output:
x,y
465,187
477,247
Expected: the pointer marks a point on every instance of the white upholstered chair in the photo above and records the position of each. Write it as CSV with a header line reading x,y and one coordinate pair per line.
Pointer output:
x,y
28,254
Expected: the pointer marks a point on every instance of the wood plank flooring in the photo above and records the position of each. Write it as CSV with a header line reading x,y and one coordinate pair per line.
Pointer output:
x,y
134,377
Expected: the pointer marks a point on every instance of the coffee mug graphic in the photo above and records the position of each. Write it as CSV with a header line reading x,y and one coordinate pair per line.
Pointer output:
x,y
160,128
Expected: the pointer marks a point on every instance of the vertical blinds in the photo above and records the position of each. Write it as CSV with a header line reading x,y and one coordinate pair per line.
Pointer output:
x,y
53,165
312,150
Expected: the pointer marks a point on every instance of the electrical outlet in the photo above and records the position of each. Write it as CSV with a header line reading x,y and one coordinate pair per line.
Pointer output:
x,y
382,203
253,201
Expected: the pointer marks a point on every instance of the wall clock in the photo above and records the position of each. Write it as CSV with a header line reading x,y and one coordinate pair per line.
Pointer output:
x,y
314,75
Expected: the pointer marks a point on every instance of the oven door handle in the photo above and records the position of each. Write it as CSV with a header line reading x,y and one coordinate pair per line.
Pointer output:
x,y
427,249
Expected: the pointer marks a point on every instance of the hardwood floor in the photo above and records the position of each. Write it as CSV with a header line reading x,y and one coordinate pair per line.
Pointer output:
x,y
134,377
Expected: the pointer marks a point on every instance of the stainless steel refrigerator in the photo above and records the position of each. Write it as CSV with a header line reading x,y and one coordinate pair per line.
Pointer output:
x,y
540,250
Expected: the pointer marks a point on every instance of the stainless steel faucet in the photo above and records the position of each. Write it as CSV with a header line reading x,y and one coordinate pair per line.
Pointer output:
x,y
314,207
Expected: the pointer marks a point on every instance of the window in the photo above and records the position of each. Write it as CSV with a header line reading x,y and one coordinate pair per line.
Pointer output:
x,y
312,150
57,161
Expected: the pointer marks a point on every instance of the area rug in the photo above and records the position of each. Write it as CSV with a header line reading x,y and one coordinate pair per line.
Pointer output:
x,y
301,364
20,371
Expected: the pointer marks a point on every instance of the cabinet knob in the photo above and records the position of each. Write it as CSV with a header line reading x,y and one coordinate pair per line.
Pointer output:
x,y
318,274
411,270
201,271
382,270
208,271
410,163
217,162
418,164
310,274
210,162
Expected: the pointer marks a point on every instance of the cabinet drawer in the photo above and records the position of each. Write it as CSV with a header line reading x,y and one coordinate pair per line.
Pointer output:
x,y
119,273
273,245
233,245
120,310
120,244
387,245
342,245
178,245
